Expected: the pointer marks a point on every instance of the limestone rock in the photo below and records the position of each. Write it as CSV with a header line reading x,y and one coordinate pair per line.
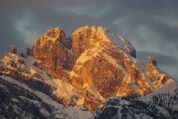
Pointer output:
x,y
86,69
23,69
55,58
85,37
158,78
107,67
13,50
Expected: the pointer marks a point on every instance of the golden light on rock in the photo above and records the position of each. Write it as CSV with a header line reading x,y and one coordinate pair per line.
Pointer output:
x,y
86,69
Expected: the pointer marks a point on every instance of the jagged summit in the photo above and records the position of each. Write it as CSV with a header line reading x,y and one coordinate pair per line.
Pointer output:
x,y
86,69
54,35
94,35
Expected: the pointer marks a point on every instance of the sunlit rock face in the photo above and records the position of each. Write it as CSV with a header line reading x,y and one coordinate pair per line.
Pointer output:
x,y
23,68
106,63
86,37
86,69
51,49
158,78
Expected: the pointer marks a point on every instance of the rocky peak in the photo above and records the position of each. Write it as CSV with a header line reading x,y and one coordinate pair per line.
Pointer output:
x,y
86,37
106,63
158,78
100,64
13,50
50,49
55,34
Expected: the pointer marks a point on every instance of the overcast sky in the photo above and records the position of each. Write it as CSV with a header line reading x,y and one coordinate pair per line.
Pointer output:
x,y
150,25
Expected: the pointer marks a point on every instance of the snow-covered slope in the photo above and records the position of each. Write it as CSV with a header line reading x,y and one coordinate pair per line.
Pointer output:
x,y
158,105
24,69
121,43
18,100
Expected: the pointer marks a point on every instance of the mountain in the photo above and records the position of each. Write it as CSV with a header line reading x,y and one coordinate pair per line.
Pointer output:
x,y
61,76
158,105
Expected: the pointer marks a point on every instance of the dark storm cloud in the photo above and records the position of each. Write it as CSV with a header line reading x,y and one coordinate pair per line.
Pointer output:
x,y
8,35
150,25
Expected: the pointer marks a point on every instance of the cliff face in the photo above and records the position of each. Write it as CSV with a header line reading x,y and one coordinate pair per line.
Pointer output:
x,y
53,54
86,69
106,63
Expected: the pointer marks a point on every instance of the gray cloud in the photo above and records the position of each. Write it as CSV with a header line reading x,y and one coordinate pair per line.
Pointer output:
x,y
151,26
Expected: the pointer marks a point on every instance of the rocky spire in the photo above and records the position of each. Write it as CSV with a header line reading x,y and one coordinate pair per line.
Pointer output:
x,y
13,50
